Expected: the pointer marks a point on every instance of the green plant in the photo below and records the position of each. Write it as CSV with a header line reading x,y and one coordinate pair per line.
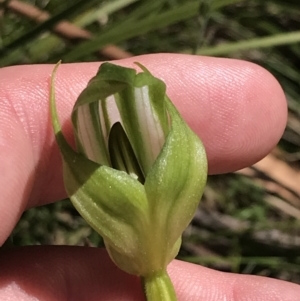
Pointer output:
x,y
138,173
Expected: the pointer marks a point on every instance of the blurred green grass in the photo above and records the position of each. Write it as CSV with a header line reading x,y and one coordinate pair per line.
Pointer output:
x,y
237,227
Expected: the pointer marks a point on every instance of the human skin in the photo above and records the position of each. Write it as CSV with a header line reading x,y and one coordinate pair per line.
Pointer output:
x,y
237,108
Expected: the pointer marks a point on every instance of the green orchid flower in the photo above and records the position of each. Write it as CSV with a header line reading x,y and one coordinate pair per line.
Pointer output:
x,y
138,173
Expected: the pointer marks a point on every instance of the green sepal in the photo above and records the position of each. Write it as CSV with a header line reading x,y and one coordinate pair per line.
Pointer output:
x,y
92,188
110,79
175,184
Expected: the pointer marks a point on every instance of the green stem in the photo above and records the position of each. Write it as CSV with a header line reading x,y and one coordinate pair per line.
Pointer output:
x,y
159,287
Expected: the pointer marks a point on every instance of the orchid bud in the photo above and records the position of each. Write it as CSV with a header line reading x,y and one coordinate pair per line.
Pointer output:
x,y
138,173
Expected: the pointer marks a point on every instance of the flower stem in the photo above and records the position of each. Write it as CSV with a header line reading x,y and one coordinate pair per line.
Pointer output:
x,y
159,287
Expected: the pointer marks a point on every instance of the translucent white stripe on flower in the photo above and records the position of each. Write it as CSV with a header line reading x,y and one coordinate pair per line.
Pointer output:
x,y
149,125
86,134
112,111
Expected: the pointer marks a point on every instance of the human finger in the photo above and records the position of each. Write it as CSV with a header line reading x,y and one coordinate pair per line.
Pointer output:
x,y
237,108
60,273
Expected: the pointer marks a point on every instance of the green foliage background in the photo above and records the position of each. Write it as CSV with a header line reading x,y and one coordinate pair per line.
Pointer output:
x,y
237,228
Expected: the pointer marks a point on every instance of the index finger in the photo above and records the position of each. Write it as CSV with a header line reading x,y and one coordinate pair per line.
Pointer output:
x,y
237,108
